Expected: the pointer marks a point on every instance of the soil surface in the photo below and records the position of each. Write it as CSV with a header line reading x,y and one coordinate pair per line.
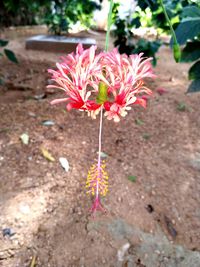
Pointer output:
x,y
45,219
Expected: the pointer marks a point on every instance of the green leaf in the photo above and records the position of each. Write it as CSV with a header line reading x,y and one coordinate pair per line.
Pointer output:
x,y
194,71
3,42
191,52
139,122
194,86
191,11
187,30
10,55
146,136
132,178
102,94
181,106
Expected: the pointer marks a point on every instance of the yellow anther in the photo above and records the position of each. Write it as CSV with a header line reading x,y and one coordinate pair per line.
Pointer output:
x,y
97,177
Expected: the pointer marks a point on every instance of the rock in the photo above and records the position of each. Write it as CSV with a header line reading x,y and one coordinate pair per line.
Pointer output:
x,y
160,251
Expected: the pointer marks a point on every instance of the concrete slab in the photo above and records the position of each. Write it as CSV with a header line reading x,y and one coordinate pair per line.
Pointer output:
x,y
59,44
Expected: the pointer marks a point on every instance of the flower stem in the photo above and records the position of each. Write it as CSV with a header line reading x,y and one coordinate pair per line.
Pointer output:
x,y
99,153
109,20
101,109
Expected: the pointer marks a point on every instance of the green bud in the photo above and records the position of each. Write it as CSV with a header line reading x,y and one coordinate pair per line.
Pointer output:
x,y
102,94
177,52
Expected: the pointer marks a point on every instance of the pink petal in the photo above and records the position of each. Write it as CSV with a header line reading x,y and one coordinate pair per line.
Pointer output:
x,y
58,101
141,102
107,105
92,105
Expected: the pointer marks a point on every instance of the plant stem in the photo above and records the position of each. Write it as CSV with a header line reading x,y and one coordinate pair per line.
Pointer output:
x,y
109,20
176,47
99,153
168,20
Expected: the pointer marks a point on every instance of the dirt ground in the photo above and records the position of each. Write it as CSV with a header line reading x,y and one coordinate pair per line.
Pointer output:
x,y
46,209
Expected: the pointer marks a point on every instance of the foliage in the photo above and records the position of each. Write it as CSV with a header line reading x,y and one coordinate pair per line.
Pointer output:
x,y
181,107
60,14
57,14
7,52
157,17
124,36
183,15
132,178
149,48
20,12
191,41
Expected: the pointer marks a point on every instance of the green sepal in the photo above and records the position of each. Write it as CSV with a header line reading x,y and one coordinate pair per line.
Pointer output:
x,y
102,93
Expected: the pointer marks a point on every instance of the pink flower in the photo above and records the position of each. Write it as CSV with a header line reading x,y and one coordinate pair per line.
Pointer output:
x,y
79,75
125,76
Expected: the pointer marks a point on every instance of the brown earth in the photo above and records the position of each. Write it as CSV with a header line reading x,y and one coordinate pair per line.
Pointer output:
x,y
47,208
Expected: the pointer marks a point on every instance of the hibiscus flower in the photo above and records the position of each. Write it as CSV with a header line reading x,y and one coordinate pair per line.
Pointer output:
x,y
79,75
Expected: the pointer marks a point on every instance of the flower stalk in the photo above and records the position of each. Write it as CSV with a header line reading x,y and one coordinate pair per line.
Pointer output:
x,y
102,98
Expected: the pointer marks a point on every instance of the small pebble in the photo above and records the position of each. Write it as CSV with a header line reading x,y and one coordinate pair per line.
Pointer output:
x,y
24,208
8,232
119,199
165,259
103,261
150,208
31,114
